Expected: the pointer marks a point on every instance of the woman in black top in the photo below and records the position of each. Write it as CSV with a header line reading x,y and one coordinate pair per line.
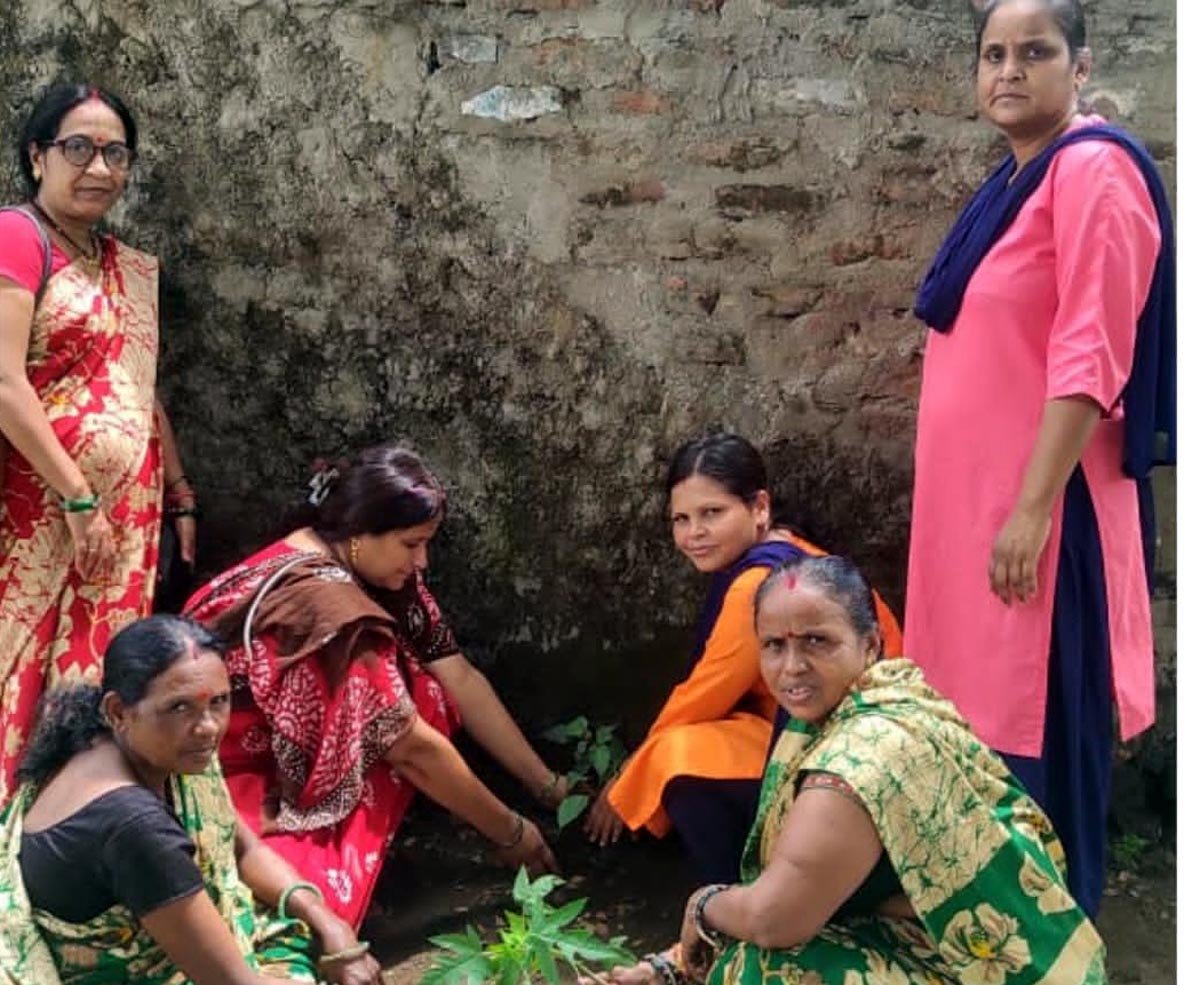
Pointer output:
x,y
121,822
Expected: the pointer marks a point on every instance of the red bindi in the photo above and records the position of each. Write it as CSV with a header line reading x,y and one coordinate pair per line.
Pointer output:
x,y
792,581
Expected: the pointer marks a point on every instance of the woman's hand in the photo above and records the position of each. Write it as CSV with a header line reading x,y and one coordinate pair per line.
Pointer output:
x,y
603,825
337,935
554,792
694,952
1012,571
639,974
95,545
531,851
359,971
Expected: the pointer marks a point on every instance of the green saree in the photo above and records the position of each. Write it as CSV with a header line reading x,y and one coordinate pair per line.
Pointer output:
x,y
976,857
36,948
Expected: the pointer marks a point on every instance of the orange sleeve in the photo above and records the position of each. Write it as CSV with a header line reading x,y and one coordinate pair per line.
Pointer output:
x,y
727,669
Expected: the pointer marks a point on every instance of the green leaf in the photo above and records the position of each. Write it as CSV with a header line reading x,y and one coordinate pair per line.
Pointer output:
x,y
605,733
520,890
558,918
589,947
545,961
600,757
466,964
543,886
576,728
570,808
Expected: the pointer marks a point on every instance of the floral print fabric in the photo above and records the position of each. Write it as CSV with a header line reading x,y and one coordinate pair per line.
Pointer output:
x,y
976,857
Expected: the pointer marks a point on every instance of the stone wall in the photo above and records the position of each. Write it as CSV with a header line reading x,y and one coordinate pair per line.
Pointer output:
x,y
547,240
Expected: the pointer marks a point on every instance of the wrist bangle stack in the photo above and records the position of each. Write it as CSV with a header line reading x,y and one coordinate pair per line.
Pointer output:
x,y
350,953
83,504
287,895
517,835
711,937
664,969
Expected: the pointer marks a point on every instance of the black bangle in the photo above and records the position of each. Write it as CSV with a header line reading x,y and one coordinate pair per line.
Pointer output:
x,y
174,482
714,938
174,512
663,968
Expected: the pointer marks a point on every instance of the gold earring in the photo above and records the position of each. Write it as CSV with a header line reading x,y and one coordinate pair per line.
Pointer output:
x,y
353,552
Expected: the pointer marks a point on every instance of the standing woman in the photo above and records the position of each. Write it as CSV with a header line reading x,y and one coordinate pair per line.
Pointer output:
x,y
1048,394
88,446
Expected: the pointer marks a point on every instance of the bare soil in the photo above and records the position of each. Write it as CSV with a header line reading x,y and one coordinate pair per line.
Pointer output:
x,y
441,877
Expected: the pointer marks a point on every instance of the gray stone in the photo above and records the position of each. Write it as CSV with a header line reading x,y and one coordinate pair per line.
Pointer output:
x,y
471,48
509,103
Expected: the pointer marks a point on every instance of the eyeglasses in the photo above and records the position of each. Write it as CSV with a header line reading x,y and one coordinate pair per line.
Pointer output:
x,y
80,151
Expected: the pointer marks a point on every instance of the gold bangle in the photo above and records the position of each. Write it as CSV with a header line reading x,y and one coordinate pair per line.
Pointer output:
x,y
518,834
356,950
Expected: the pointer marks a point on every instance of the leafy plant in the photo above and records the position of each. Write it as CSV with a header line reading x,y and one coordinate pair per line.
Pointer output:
x,y
598,755
535,945
1127,850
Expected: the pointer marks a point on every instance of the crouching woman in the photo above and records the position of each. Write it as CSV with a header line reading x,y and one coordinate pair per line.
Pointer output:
x,y
121,856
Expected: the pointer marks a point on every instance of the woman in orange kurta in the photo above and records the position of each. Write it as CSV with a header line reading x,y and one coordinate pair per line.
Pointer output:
x,y
698,769
83,444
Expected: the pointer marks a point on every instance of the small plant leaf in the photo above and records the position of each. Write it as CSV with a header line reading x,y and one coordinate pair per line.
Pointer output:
x,y
465,964
558,918
570,808
576,728
545,961
600,758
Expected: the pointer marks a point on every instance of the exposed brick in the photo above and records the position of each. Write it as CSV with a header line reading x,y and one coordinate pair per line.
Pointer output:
x,y
675,284
788,302
706,6
629,193
640,102
542,6
742,200
850,251
740,155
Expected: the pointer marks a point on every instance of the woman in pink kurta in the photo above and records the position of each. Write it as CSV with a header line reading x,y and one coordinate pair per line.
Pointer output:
x,y
1028,601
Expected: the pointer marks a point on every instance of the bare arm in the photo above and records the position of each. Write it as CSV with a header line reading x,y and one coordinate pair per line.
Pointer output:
x,y
174,482
489,723
24,424
22,418
429,760
268,875
826,849
1067,425
198,941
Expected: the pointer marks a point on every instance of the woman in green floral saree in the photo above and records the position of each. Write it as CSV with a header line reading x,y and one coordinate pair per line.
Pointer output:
x,y
122,859
891,846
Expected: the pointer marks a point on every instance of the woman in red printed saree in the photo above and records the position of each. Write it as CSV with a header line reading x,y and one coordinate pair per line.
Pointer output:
x,y
344,699
82,457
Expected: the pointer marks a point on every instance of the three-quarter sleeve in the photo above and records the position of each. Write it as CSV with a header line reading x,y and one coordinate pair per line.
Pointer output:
x,y
1106,241
727,668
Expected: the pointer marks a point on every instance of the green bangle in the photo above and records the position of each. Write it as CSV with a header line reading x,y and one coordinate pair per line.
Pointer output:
x,y
287,894
84,504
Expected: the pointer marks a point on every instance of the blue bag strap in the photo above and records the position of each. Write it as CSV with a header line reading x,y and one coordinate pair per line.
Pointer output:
x,y
46,258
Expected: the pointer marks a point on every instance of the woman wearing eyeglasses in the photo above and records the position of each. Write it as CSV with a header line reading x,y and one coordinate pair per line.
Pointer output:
x,y
87,448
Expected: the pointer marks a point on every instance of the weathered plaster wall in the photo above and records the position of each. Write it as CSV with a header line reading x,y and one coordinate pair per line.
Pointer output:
x,y
717,213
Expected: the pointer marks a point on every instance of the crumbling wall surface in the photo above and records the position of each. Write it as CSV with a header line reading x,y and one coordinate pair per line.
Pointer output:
x,y
547,240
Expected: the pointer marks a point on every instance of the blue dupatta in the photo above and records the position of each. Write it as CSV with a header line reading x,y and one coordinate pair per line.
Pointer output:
x,y
768,554
1149,394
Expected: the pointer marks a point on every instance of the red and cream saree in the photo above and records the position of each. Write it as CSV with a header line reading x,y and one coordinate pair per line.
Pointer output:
x,y
93,352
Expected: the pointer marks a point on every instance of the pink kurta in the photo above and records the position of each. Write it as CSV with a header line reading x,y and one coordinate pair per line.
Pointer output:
x,y
1050,312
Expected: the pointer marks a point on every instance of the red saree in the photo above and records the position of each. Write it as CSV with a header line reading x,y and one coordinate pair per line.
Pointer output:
x,y
332,680
92,358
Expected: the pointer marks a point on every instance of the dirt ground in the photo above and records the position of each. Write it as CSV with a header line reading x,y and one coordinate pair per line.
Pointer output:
x,y
441,877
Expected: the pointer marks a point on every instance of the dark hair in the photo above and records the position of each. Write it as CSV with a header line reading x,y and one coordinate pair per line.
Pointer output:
x,y
728,459
69,718
383,488
1068,15
835,576
41,126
